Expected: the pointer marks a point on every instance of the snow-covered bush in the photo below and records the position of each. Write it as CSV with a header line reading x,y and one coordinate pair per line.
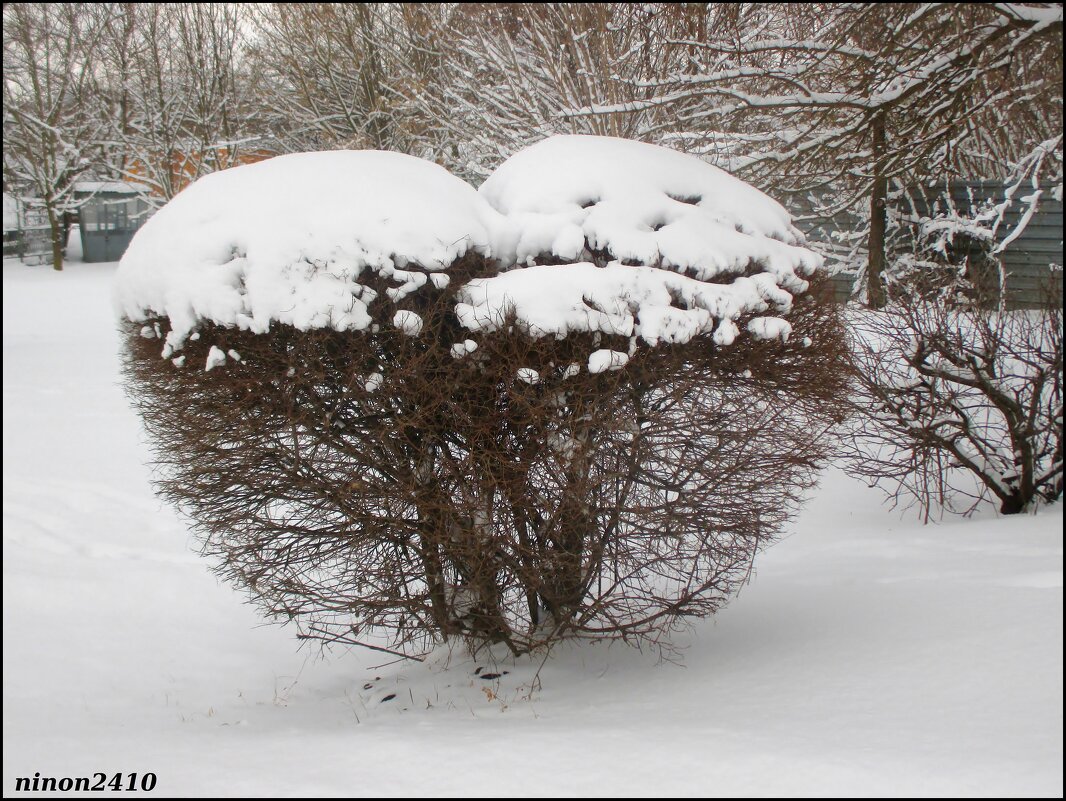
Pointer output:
x,y
577,402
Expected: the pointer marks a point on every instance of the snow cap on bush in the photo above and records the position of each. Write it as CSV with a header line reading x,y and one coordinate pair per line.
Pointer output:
x,y
643,204
286,240
667,246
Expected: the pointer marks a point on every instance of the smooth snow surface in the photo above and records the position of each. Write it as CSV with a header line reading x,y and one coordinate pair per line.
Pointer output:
x,y
869,656
287,239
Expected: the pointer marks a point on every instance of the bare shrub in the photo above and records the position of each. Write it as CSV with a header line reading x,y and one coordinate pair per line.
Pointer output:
x,y
959,399
460,497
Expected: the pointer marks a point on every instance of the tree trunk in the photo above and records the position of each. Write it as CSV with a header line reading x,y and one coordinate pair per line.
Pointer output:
x,y
875,280
56,224
1012,504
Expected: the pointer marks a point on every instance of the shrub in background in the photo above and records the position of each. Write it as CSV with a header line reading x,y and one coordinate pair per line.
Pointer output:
x,y
958,398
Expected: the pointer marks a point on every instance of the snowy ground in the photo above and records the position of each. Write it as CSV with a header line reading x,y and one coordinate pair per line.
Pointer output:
x,y
870,655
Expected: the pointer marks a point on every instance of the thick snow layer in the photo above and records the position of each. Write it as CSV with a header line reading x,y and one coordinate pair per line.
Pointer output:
x,y
681,221
557,300
646,204
870,655
287,240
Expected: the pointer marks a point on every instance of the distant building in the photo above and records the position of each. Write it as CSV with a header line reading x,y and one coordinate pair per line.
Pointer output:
x,y
109,214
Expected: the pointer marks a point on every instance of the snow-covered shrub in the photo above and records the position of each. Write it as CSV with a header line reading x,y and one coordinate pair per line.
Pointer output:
x,y
385,414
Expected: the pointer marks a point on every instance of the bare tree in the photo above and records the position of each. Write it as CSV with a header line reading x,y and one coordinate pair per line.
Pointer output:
x,y
843,100
177,95
340,75
516,70
50,132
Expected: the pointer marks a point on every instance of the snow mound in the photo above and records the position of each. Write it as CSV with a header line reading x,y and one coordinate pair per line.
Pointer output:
x,y
286,240
293,239
647,205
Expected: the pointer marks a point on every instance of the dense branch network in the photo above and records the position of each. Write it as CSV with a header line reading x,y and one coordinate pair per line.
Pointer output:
x,y
409,414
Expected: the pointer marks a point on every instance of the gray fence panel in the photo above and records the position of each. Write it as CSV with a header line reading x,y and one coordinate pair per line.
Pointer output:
x,y
1027,258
